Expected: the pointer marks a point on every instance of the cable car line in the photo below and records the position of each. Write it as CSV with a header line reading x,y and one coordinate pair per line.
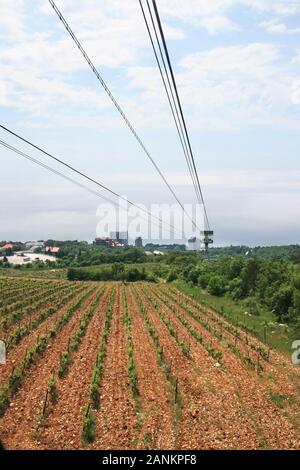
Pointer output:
x,y
169,93
79,173
117,106
179,104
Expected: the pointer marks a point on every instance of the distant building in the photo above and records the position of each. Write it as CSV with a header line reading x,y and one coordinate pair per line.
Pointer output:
x,y
102,241
54,250
8,246
138,242
154,253
194,244
167,247
158,253
119,237
32,246
149,253
117,244
109,242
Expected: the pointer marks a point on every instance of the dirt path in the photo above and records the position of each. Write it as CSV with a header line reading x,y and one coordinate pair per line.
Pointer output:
x,y
116,418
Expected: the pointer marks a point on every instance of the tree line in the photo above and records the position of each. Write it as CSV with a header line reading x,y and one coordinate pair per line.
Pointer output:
x,y
261,283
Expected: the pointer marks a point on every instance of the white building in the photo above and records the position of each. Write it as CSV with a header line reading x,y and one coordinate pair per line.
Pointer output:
x,y
194,244
31,246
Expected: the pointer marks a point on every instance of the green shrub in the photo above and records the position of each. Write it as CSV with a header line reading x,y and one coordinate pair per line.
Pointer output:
x,y
4,391
216,286
89,426
64,363
52,384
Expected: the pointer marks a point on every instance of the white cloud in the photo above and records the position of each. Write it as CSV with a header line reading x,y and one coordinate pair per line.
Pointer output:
x,y
224,88
11,19
194,10
218,24
40,70
295,98
237,87
275,27
280,7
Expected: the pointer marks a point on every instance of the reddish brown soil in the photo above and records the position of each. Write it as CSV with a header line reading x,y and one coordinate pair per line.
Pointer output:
x,y
228,407
280,376
116,418
273,429
157,413
208,419
20,420
17,353
64,424
36,311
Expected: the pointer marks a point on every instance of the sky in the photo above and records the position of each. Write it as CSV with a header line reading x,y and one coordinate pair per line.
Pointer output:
x,y
237,65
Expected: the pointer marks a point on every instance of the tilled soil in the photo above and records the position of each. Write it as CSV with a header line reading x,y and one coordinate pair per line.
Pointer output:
x,y
19,423
116,418
18,352
64,424
208,419
273,429
156,410
218,406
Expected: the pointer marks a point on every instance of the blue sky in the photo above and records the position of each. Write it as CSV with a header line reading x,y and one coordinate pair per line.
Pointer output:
x,y
237,65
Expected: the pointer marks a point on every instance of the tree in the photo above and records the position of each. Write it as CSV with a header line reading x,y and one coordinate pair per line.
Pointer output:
x,y
249,275
172,276
203,280
235,267
216,286
193,276
71,274
294,311
282,301
235,288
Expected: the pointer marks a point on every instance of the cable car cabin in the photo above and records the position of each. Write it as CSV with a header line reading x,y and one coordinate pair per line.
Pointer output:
x,y
207,238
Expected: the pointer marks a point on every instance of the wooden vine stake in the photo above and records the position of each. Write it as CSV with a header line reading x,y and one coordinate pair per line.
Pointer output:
x,y
257,365
265,334
45,402
87,410
176,390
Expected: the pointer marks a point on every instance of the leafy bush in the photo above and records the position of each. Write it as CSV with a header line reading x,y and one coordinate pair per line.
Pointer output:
x,y
172,276
131,274
216,286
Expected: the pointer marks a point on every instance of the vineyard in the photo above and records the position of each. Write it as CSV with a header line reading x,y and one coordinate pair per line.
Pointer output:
x,y
116,365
